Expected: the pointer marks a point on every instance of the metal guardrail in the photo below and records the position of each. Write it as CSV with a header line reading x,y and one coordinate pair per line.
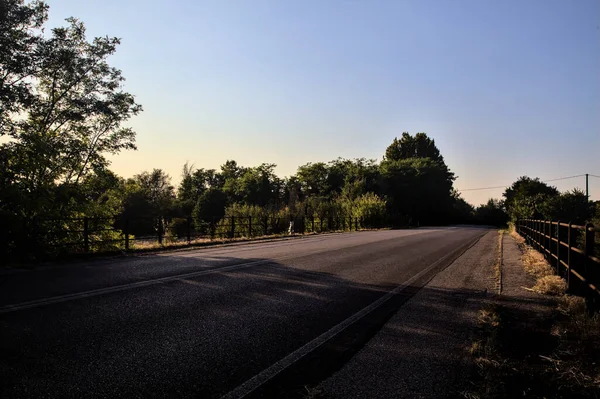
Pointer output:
x,y
569,248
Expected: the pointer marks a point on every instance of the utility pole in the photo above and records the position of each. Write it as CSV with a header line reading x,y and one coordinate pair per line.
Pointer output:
x,y
587,189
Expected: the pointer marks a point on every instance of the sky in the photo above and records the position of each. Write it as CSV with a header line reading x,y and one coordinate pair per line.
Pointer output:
x,y
506,87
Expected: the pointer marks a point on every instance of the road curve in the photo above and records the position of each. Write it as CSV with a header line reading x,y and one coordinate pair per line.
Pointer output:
x,y
210,322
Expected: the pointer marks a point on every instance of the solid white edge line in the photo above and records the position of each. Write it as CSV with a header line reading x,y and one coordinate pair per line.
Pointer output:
x,y
267,374
123,287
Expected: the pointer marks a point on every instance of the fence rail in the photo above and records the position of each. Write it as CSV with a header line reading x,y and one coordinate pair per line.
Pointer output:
x,y
569,248
46,238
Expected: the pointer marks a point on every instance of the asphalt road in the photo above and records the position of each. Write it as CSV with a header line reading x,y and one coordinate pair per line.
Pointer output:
x,y
210,322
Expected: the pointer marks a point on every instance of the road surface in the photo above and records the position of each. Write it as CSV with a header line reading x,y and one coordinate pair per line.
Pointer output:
x,y
247,320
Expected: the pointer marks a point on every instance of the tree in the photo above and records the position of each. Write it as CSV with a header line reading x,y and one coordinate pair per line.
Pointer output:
x,y
492,213
20,38
462,211
418,188
571,206
157,190
211,205
419,146
72,116
259,186
313,179
526,197
417,181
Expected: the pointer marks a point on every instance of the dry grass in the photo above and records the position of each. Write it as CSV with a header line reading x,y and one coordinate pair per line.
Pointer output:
x,y
575,360
579,324
169,243
516,236
498,266
550,285
535,264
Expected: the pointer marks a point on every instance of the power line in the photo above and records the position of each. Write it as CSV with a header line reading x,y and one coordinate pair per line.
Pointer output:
x,y
562,178
543,181
598,177
480,188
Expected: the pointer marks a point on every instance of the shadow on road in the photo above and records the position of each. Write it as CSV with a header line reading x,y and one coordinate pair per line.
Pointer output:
x,y
204,335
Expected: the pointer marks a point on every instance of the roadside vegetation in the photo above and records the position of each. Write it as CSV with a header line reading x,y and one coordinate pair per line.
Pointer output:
x,y
64,109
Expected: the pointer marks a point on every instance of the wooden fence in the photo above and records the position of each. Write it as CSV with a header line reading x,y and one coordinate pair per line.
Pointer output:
x,y
569,248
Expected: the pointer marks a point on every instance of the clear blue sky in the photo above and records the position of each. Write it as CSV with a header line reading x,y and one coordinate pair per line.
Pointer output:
x,y
506,88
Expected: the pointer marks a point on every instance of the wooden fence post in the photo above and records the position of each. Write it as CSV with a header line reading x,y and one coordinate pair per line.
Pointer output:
x,y
189,229
86,234
589,247
569,235
160,232
550,240
126,234
558,247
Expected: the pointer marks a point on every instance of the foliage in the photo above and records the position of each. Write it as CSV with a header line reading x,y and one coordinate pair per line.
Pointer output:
x,y
417,146
492,213
369,209
20,37
526,198
62,111
419,187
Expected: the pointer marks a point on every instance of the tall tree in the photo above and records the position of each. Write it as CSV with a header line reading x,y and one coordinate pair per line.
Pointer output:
x,y
20,58
418,146
418,183
72,117
527,197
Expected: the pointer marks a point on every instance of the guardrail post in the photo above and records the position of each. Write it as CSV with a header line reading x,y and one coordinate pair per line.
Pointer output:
x,y
86,235
126,231
232,233
249,226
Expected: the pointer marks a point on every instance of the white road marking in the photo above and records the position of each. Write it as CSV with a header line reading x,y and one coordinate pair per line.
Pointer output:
x,y
101,291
